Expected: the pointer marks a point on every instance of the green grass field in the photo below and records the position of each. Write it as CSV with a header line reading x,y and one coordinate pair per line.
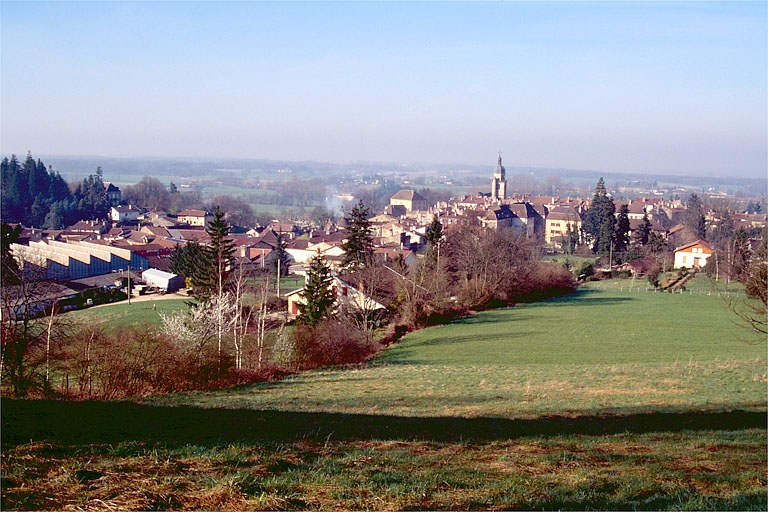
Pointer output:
x,y
121,315
609,399
596,352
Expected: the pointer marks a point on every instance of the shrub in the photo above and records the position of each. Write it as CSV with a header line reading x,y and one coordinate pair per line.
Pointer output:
x,y
585,271
330,342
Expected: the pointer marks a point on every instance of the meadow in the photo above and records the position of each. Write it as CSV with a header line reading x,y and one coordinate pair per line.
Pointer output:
x,y
607,399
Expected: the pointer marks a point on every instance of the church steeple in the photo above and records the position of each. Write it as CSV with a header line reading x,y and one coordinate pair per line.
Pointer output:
x,y
499,182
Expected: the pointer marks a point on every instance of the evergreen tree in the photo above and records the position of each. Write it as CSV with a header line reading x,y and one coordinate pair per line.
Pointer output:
x,y
58,189
54,219
622,229
16,190
29,190
187,260
282,256
694,219
318,294
212,277
643,231
10,269
5,179
606,238
37,178
434,232
90,197
358,246
433,236
599,221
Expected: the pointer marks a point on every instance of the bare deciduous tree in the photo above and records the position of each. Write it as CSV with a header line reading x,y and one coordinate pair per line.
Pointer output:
x,y
29,321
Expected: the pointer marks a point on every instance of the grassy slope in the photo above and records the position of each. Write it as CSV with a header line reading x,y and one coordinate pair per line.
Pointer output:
x,y
138,313
598,352
456,417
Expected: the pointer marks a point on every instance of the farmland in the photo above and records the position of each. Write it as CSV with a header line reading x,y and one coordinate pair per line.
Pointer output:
x,y
607,399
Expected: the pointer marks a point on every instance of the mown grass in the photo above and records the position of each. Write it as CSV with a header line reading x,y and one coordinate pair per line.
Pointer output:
x,y
120,315
605,400
597,352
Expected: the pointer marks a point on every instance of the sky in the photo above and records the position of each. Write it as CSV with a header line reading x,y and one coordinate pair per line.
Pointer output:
x,y
637,87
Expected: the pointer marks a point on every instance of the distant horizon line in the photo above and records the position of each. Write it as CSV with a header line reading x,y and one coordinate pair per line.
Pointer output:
x,y
422,164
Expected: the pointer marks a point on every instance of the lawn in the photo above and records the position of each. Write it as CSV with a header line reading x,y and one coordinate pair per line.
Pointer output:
x,y
594,353
121,315
608,399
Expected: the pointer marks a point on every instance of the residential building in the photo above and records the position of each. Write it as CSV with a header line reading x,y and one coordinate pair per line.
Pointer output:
x,y
693,255
194,217
560,222
124,213
410,199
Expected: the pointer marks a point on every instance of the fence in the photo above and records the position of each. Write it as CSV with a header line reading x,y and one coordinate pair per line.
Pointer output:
x,y
647,289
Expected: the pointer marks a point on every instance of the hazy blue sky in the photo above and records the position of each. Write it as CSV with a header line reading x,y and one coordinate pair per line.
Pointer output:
x,y
647,87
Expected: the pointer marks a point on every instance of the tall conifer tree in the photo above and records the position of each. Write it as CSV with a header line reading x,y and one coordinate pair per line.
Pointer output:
x,y
600,221
318,294
358,247
622,229
211,276
643,231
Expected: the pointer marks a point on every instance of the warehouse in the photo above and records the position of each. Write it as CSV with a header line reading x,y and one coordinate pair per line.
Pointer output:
x,y
163,280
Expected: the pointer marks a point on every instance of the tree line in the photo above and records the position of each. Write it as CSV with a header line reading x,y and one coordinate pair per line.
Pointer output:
x,y
36,196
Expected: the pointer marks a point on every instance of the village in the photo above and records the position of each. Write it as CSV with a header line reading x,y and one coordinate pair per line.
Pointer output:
x,y
135,242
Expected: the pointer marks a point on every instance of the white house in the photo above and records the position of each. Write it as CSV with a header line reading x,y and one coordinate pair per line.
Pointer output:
x,y
124,213
347,296
194,217
693,255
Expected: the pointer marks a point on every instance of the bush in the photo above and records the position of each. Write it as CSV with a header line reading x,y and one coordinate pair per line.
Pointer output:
x,y
330,342
418,313
585,271
544,281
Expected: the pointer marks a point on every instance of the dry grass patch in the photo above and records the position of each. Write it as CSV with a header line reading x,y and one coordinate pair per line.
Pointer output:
x,y
702,470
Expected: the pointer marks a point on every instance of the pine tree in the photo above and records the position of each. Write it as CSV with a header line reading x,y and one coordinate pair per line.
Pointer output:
x,y
317,293
281,256
212,275
694,219
358,247
599,221
621,234
643,231
434,237
10,268
434,232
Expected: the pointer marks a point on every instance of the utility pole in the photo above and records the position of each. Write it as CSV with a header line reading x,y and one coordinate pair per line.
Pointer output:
x,y
278,277
610,258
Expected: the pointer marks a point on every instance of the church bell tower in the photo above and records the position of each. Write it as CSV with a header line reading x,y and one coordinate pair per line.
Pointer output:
x,y
499,182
